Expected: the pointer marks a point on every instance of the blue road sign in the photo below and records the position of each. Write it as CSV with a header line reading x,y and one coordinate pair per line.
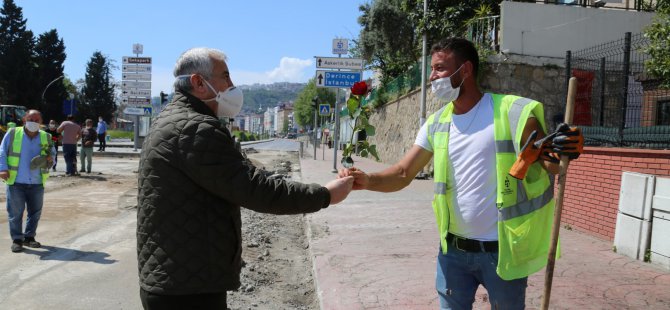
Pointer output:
x,y
70,107
324,109
337,79
147,110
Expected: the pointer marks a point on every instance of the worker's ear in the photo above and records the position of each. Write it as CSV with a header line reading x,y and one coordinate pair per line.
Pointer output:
x,y
468,70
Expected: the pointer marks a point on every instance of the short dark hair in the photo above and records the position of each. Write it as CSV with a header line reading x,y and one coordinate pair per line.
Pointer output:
x,y
462,48
70,117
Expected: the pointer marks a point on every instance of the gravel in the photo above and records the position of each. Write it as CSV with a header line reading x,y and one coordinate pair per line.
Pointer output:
x,y
277,273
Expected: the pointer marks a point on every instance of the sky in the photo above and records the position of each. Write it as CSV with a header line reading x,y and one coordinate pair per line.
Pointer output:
x,y
266,41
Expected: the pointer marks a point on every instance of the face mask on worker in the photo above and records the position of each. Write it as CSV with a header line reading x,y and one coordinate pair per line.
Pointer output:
x,y
52,126
443,90
32,126
229,101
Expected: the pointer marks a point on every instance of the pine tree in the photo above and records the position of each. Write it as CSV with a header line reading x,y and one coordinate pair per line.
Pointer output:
x,y
17,62
98,89
50,55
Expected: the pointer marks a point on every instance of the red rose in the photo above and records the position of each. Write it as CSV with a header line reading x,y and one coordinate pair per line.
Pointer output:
x,y
359,88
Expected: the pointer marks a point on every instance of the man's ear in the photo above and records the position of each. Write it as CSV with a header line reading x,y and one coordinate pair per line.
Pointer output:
x,y
468,70
198,84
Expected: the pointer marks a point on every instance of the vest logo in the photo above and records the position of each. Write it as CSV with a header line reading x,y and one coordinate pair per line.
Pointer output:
x,y
507,190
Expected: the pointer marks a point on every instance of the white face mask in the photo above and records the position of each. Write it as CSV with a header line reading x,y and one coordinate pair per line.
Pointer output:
x,y
229,101
32,126
443,90
52,126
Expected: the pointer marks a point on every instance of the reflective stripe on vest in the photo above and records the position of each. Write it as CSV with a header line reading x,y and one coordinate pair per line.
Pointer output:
x,y
14,154
525,208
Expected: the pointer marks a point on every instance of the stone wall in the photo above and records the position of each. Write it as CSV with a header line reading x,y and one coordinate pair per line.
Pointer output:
x,y
397,122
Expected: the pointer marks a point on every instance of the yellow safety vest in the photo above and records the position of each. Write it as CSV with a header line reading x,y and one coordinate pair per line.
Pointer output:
x,y
525,208
14,154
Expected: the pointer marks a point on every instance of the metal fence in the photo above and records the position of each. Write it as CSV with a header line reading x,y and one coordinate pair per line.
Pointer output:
x,y
484,32
618,103
399,86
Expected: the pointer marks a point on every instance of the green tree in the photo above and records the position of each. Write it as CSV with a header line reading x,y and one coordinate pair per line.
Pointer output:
x,y
98,89
303,111
17,63
392,30
658,33
387,40
49,57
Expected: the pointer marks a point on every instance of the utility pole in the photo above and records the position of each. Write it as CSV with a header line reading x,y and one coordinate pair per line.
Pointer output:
x,y
315,104
424,49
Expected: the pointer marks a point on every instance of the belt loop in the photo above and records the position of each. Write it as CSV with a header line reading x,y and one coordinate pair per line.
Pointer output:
x,y
481,246
456,243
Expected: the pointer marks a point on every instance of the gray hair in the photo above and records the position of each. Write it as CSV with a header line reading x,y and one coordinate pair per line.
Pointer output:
x,y
197,60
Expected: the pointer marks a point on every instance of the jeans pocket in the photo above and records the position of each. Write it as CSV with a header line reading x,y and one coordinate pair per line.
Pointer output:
x,y
493,258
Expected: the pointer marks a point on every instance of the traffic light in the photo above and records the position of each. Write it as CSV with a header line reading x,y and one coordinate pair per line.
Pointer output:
x,y
164,99
315,102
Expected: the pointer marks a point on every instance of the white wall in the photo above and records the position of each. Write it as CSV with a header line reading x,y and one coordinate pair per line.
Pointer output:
x,y
550,30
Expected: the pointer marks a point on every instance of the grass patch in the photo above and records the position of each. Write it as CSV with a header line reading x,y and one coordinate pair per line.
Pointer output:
x,y
120,134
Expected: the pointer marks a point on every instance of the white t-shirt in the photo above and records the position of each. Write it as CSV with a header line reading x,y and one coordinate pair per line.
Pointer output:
x,y
472,154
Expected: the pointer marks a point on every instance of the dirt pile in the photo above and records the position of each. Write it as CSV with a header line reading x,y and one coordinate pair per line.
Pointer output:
x,y
278,271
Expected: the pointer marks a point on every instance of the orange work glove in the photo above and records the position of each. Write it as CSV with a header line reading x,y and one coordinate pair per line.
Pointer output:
x,y
568,141
528,155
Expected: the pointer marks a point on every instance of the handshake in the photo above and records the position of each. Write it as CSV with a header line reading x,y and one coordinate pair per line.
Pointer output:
x,y
565,140
347,180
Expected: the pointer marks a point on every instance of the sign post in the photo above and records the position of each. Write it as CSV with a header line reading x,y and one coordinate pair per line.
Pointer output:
x,y
136,88
338,79
324,110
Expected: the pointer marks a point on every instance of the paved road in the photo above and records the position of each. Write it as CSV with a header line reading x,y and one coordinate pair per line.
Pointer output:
x,y
274,145
88,258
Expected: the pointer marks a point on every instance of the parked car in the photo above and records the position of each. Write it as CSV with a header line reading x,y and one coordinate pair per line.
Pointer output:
x,y
290,135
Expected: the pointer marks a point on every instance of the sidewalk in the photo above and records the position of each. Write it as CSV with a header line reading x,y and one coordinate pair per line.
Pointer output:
x,y
378,251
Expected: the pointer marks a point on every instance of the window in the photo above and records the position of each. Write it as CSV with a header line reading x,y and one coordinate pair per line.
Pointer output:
x,y
663,114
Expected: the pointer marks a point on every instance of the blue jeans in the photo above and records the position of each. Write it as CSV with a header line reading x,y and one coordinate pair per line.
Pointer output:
x,y
70,156
19,198
460,273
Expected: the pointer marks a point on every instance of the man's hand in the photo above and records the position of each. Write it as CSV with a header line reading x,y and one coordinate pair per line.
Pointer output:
x,y
528,155
4,175
339,189
361,179
50,162
568,141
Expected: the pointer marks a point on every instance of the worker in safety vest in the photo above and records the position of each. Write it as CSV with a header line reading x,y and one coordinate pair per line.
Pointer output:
x,y
495,230
25,158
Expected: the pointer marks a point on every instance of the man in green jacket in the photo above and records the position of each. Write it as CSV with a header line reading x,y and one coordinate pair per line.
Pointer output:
x,y
494,229
192,182
26,155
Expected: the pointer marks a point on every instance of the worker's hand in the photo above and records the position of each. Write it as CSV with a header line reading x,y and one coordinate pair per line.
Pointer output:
x,y
568,141
361,179
548,155
50,161
528,155
4,175
339,189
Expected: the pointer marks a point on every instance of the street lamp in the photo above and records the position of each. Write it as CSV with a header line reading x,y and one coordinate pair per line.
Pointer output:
x,y
71,105
45,89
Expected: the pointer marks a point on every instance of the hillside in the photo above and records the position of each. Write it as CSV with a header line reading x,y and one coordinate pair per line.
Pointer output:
x,y
261,96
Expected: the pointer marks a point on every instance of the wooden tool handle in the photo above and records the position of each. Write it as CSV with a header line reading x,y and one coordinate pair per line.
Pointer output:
x,y
563,170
